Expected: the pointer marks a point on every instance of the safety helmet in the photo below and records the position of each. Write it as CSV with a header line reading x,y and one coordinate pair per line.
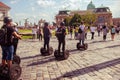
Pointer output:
x,y
7,20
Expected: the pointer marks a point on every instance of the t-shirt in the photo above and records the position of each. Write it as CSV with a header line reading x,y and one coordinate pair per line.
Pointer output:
x,y
82,27
10,31
113,30
46,32
92,29
61,34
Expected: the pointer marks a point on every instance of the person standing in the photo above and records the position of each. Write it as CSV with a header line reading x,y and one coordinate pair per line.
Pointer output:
x,y
61,32
81,32
112,32
34,32
39,33
15,39
98,30
92,29
71,31
117,29
105,31
7,47
47,35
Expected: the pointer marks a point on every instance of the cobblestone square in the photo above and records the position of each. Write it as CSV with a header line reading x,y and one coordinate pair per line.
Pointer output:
x,y
101,61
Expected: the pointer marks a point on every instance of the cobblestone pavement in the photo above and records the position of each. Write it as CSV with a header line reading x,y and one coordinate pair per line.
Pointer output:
x,y
101,61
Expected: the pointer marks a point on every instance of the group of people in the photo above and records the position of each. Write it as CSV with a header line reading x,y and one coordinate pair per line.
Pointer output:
x,y
9,48
101,29
37,32
60,34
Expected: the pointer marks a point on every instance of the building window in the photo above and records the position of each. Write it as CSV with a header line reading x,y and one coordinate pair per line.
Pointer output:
x,y
101,19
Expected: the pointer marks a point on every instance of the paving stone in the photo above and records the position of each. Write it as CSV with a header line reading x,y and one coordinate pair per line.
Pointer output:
x,y
101,61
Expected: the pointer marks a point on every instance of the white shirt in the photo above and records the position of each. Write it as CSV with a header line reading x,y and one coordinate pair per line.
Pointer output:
x,y
92,29
82,27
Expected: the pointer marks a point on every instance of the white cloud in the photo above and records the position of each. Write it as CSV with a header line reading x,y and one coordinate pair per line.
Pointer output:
x,y
14,1
45,3
115,9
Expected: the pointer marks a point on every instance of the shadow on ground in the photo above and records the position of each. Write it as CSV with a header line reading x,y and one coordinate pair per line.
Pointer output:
x,y
88,69
42,61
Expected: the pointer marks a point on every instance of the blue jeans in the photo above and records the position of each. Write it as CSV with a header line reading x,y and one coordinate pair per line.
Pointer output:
x,y
7,52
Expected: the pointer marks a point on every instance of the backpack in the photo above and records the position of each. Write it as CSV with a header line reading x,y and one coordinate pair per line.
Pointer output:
x,y
58,30
3,35
113,30
80,30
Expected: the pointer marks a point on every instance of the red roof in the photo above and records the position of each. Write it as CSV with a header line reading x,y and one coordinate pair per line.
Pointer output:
x,y
4,5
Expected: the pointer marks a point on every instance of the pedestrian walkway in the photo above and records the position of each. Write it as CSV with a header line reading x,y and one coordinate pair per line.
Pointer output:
x,y
100,62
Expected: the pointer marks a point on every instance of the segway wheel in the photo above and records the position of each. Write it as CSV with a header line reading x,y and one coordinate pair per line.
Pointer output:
x,y
66,54
85,46
16,59
61,55
50,51
15,72
4,72
78,46
42,50
56,54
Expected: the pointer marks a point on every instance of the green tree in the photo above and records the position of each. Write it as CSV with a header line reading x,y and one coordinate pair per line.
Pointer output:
x,y
75,20
67,21
89,18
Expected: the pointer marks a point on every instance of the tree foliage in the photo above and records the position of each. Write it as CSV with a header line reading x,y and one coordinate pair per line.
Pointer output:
x,y
67,21
75,20
89,18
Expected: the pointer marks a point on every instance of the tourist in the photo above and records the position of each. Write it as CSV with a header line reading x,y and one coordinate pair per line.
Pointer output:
x,y
117,29
15,39
92,29
39,33
47,35
112,32
7,48
81,32
98,30
71,31
61,32
105,31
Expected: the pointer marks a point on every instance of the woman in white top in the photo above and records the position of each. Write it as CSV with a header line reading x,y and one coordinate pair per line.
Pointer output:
x,y
81,33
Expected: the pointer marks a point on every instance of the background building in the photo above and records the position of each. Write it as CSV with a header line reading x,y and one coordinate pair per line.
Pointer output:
x,y
3,12
104,15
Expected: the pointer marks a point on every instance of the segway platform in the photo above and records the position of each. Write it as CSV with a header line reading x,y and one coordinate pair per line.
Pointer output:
x,y
44,52
82,47
61,55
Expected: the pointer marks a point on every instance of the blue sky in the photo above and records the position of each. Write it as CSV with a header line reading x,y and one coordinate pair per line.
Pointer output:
x,y
47,9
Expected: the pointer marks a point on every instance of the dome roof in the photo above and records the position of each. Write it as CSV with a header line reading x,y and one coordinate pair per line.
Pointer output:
x,y
90,6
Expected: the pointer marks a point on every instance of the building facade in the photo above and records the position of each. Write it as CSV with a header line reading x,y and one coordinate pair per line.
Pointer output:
x,y
3,12
104,15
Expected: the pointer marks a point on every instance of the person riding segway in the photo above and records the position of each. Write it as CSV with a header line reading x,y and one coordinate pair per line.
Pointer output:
x,y
61,33
81,45
8,70
16,58
47,35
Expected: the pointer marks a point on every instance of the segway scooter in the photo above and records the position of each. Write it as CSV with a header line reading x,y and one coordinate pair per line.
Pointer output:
x,y
61,55
45,52
82,47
